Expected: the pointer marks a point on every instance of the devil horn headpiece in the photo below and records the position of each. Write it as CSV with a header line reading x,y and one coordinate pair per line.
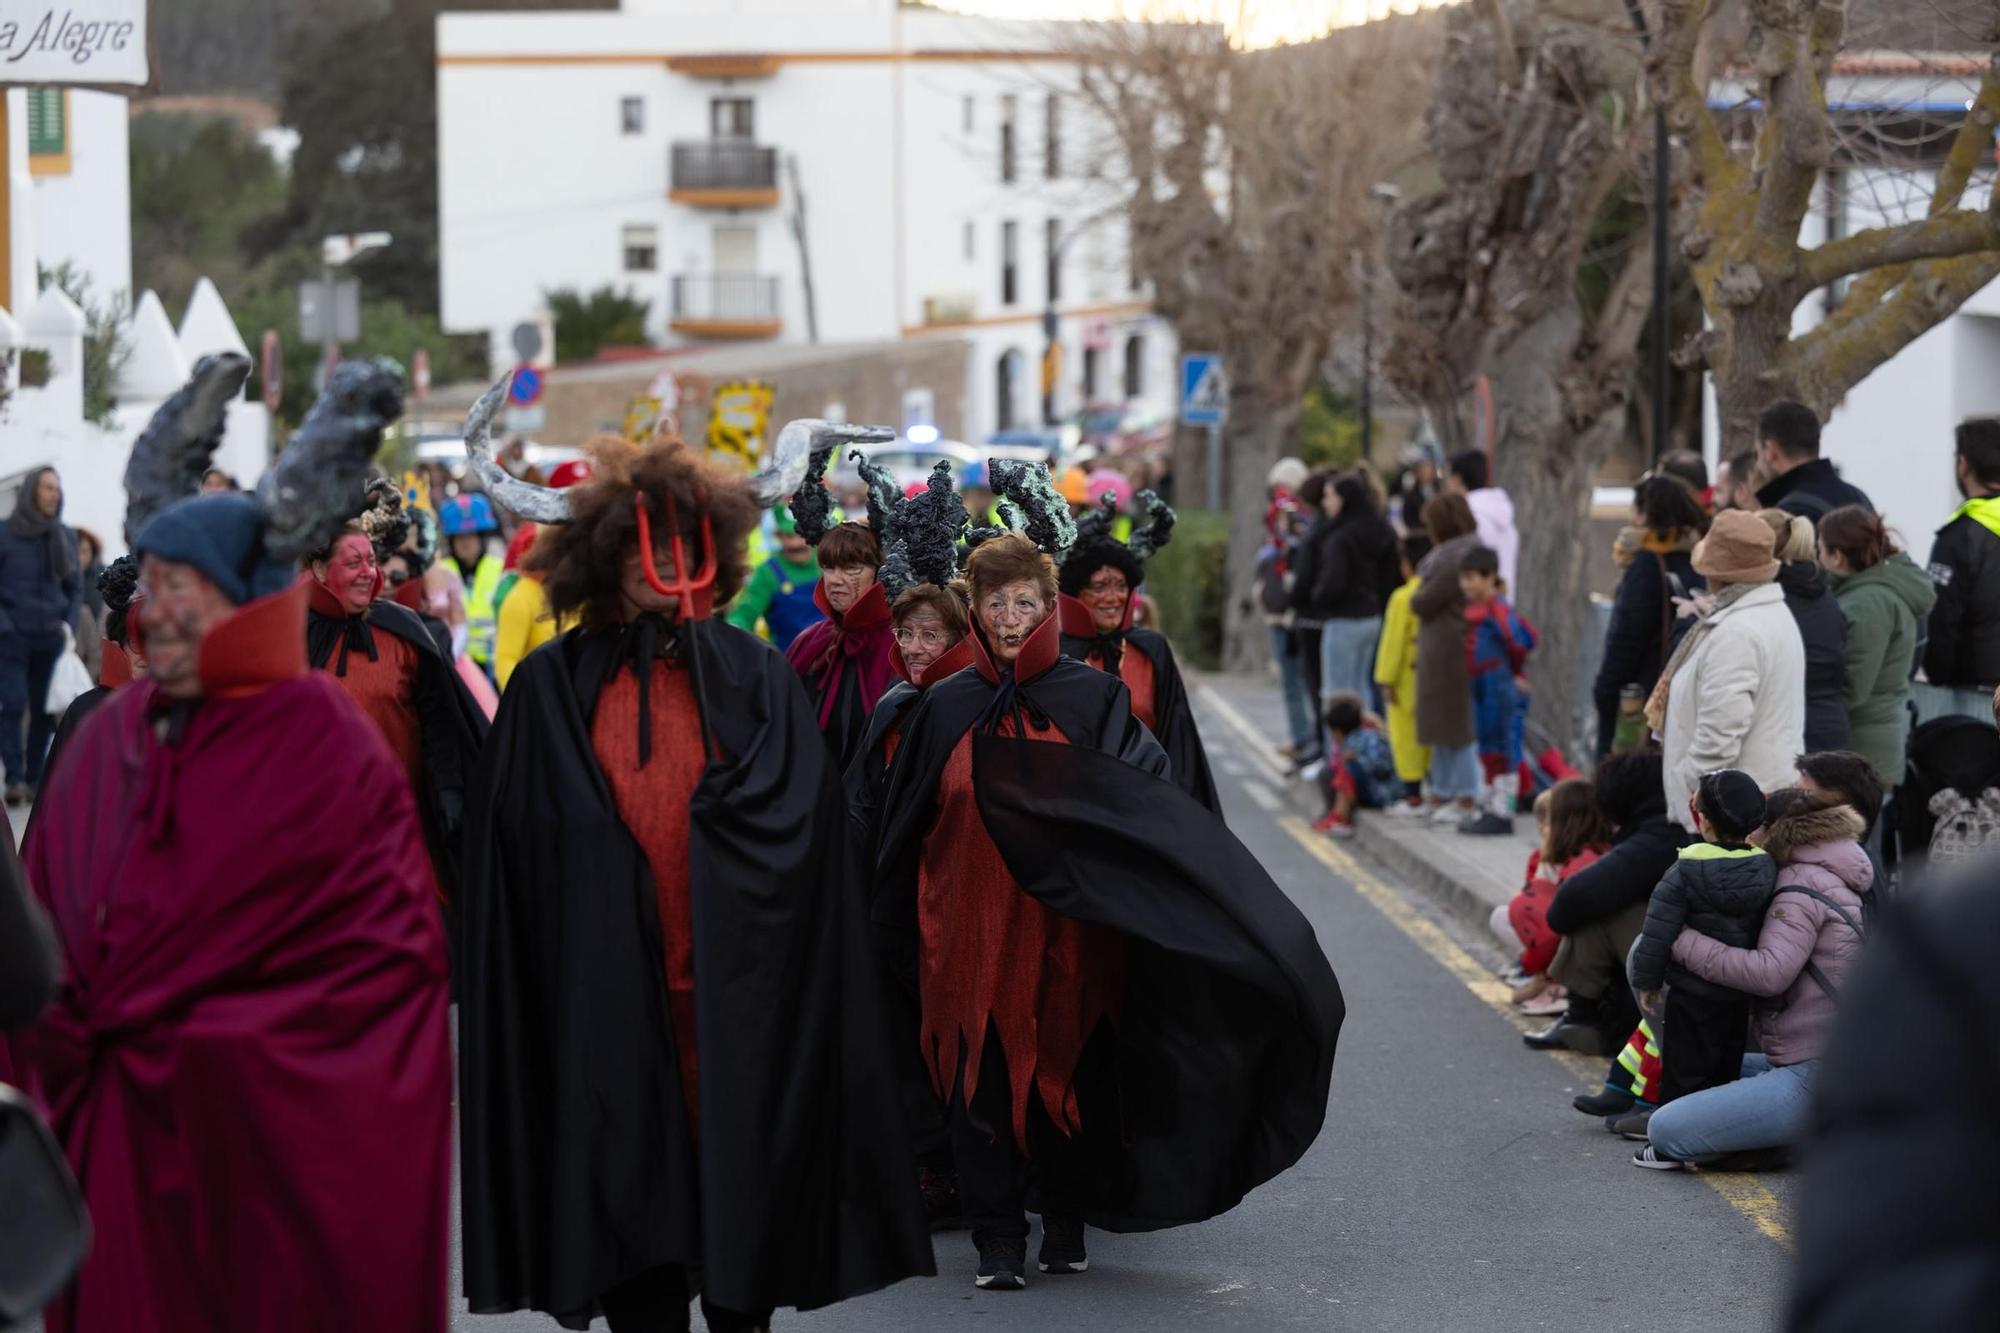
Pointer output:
x,y
308,498
174,450
1154,527
884,495
1095,525
790,456
810,504
384,521
920,534
1047,517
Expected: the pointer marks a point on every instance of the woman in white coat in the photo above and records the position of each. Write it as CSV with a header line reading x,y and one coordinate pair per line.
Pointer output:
x,y
1734,693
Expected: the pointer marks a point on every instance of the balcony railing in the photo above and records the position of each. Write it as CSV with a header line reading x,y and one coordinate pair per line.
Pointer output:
x,y
724,173
725,305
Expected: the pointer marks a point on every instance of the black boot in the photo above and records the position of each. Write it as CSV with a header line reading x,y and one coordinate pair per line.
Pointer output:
x,y
1610,1102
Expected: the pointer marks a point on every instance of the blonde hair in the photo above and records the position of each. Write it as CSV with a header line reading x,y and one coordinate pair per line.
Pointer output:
x,y
1792,535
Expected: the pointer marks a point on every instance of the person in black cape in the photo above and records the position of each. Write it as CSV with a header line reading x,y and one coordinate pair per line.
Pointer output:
x,y
387,661
675,1068
1173,1048
1099,592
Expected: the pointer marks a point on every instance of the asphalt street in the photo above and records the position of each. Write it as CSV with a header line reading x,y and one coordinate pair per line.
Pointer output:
x,y
1451,1188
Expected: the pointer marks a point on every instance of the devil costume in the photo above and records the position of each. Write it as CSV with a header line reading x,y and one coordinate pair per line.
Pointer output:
x,y
388,662
1156,1033
249,1062
673,1044
1141,658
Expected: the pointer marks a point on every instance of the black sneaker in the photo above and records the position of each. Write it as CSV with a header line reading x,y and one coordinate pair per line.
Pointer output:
x,y
1652,1159
1631,1125
1062,1245
1001,1261
1487,825
1610,1102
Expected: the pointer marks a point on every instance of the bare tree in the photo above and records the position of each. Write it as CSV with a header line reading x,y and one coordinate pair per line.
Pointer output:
x,y
1532,131
1245,179
1757,163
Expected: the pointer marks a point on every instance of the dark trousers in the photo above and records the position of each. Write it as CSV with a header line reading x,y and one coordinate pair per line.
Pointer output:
x,y
993,1173
1307,643
657,1302
1702,1046
26,663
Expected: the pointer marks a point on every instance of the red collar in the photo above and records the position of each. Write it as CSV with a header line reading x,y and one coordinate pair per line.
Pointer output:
x,y
1037,655
409,594
263,644
872,609
321,599
116,669
1079,623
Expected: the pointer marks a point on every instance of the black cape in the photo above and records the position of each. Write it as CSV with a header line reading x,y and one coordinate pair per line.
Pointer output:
x,y
452,725
1173,715
1224,1045
579,1168
867,776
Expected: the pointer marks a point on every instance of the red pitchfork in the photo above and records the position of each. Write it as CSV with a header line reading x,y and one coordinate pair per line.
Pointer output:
x,y
684,586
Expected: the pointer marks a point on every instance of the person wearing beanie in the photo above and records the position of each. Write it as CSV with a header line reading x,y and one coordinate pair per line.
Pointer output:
x,y
249,1061
1719,886
1733,694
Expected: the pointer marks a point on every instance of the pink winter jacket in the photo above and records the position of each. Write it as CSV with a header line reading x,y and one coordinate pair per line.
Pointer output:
x,y
1819,850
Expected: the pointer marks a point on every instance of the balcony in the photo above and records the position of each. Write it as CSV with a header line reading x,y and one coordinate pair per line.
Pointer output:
x,y
724,173
725,305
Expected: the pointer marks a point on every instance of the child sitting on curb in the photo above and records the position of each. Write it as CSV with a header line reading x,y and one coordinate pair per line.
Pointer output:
x,y
1720,886
1360,771
1574,834
1396,674
1497,643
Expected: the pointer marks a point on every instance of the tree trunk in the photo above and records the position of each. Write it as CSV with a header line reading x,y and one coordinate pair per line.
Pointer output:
x,y
1259,433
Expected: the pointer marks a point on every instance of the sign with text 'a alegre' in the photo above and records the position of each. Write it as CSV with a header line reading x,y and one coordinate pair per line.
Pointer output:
x,y
83,42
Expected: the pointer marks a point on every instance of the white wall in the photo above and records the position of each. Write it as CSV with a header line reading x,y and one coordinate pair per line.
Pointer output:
x,y
85,215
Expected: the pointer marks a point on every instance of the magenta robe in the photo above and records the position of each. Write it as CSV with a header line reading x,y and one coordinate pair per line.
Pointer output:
x,y
249,1062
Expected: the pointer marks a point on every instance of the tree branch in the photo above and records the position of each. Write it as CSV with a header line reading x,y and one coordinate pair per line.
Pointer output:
x,y
1946,236
1794,142
1678,88
1839,354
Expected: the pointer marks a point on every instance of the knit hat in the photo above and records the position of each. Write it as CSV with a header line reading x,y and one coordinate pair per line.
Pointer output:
x,y
1733,802
222,536
1286,474
1737,549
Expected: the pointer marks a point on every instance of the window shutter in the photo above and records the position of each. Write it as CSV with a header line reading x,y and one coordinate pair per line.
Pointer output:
x,y
48,122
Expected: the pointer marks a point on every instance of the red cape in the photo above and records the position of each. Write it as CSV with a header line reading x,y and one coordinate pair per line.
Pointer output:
x,y
249,1064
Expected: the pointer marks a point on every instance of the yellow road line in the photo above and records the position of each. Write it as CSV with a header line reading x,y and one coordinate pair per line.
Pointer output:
x,y
1743,1192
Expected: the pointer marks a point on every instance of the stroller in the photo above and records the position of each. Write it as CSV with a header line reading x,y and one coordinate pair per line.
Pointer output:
x,y
1948,806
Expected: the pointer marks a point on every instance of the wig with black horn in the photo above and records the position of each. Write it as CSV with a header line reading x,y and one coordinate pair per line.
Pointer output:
x,y
919,534
171,454
1046,516
1096,546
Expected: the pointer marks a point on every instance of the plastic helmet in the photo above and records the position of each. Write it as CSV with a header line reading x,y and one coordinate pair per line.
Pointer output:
x,y
570,473
973,476
468,515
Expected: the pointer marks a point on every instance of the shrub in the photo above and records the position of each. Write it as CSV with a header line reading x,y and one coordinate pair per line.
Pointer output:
x,y
1186,582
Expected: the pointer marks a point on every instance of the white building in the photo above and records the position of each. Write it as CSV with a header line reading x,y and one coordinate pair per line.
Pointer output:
x,y
667,148
1892,436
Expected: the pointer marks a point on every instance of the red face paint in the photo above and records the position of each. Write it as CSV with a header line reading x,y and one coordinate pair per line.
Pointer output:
x,y
350,573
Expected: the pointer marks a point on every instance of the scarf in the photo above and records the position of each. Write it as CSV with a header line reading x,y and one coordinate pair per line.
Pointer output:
x,y
1656,705
1630,541
31,524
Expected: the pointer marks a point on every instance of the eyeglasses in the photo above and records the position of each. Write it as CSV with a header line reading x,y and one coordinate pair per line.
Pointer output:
x,y
929,638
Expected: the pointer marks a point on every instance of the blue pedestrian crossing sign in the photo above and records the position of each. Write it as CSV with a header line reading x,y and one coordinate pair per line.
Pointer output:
x,y
1204,392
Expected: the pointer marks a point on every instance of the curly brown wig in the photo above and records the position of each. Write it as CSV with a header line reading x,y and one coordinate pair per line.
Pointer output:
x,y
951,604
581,562
1011,557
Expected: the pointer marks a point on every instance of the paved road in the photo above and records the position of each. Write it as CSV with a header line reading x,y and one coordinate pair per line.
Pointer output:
x,y
1452,1188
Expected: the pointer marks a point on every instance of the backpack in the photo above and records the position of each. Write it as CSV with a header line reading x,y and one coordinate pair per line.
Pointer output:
x,y
1941,808
1813,969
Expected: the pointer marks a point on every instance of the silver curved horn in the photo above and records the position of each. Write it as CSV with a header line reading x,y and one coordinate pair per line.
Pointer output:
x,y
537,504
796,445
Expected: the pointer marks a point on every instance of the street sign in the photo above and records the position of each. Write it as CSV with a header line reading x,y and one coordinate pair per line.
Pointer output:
x,y
526,390
526,420
330,313
76,42
1204,391
272,369
527,340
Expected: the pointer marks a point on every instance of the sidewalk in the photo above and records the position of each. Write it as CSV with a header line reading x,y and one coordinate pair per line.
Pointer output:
x,y
1468,877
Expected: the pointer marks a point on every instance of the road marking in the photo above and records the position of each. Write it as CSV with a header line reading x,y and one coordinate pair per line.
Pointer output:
x,y
1742,1191
1267,800
1247,736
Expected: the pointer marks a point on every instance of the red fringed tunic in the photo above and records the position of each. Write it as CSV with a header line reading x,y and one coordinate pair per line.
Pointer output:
x,y
992,954
385,686
653,803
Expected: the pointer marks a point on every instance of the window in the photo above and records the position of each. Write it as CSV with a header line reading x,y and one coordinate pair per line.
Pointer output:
x,y
1052,139
1007,139
965,114
631,115
48,131
1052,241
1007,373
1093,370
732,118
971,232
1135,366
642,249
1010,244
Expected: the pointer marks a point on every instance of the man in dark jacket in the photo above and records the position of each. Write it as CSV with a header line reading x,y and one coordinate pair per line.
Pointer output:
x,y
1894,1229
1599,909
1964,653
1720,886
1801,481
40,589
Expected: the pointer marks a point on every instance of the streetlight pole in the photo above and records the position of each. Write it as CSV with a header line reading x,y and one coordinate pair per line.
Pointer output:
x,y
1662,188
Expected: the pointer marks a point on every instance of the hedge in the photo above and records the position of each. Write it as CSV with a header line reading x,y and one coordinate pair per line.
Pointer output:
x,y
1186,582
